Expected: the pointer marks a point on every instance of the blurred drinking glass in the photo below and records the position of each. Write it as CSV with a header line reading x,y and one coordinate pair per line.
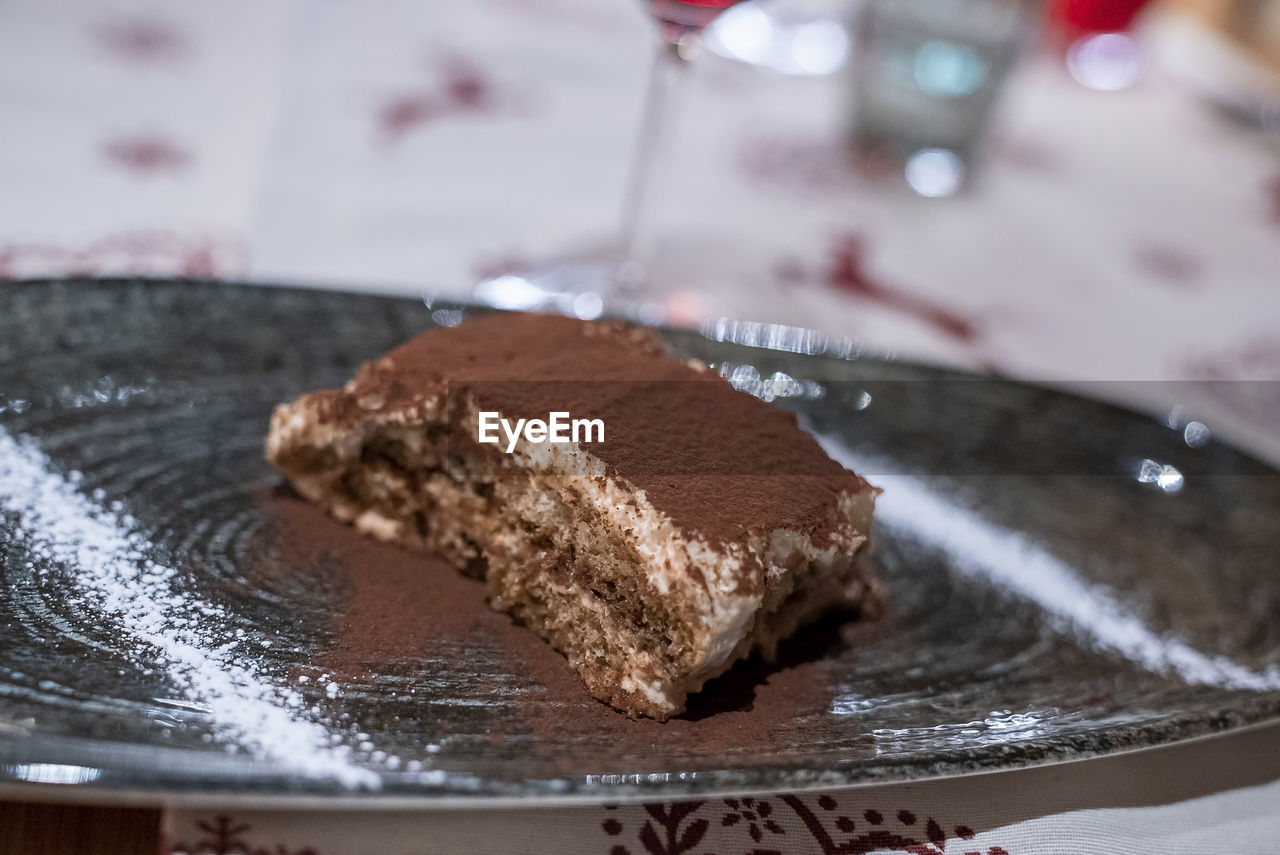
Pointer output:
x,y
613,279
925,76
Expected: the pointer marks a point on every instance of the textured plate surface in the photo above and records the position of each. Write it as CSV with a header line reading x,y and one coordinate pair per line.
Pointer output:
x,y
1064,579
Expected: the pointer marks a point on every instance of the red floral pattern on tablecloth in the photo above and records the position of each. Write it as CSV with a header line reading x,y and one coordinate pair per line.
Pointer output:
x,y
147,252
845,271
458,88
848,273
146,154
143,40
225,836
1168,264
751,825
1272,191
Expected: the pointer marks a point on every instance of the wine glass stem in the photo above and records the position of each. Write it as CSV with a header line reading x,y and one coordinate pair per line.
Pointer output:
x,y
664,73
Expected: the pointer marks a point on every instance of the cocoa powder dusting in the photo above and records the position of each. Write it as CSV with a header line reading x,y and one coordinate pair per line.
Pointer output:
x,y
394,603
397,605
716,460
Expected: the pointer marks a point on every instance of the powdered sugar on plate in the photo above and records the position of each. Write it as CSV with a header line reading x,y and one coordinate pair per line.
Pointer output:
x,y
163,626
978,547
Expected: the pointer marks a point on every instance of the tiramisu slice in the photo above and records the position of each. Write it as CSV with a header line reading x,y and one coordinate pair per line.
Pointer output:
x,y
703,525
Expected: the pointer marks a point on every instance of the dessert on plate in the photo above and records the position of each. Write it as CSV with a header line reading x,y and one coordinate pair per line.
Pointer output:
x,y
651,522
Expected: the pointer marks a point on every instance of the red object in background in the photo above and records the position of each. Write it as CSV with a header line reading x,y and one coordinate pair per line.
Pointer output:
x,y
146,154
679,17
1080,17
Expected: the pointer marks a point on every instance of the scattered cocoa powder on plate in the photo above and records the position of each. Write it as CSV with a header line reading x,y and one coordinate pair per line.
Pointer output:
x,y
398,606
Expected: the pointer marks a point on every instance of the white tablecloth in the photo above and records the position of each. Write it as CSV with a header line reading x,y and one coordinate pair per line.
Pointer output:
x,y
410,147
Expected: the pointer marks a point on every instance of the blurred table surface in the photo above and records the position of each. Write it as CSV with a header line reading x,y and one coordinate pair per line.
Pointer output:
x,y
411,147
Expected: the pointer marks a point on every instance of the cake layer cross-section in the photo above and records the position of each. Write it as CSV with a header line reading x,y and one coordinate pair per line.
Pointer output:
x,y
705,526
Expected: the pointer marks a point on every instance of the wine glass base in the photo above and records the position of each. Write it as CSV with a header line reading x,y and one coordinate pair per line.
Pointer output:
x,y
594,286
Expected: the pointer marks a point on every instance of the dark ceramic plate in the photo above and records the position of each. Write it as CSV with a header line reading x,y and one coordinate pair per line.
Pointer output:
x,y
1065,579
